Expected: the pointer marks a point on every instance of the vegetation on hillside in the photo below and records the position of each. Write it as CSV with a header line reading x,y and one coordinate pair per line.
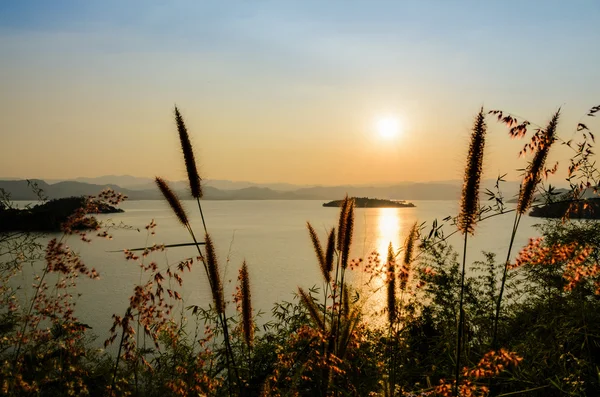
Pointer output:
x,y
53,214
367,202
529,326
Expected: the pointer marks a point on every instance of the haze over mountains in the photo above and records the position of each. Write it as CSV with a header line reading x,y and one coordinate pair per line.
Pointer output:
x,y
144,189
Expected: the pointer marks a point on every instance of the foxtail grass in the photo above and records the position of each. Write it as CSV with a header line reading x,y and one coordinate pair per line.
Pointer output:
x,y
467,218
347,225
531,179
247,326
209,260
342,223
173,201
330,253
195,182
320,253
391,286
312,308
469,204
214,276
337,253
188,155
409,247
535,170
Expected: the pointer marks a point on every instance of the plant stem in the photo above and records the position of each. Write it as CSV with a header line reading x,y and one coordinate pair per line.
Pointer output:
x,y
503,283
18,350
112,386
461,318
201,215
222,317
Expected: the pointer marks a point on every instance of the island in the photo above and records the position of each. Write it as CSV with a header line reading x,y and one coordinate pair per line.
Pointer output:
x,y
583,209
49,216
366,202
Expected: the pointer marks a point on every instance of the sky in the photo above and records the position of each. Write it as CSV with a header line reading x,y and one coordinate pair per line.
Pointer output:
x,y
286,91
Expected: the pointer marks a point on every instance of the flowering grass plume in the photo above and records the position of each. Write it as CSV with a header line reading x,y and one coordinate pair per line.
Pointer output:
x,y
391,285
173,201
323,264
312,308
330,253
535,170
469,204
409,247
247,326
214,276
188,155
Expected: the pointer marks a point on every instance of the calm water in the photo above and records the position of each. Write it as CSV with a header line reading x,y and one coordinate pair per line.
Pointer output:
x,y
270,235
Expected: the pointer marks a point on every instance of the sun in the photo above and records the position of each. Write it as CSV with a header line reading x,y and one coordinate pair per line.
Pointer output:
x,y
388,127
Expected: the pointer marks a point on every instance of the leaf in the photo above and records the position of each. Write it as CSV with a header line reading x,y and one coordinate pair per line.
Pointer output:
x,y
166,246
582,126
593,110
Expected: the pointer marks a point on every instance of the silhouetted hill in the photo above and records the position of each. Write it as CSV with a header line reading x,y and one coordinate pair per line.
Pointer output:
x,y
20,190
146,190
141,183
50,215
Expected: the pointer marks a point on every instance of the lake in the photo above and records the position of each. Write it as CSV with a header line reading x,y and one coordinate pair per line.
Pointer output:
x,y
270,235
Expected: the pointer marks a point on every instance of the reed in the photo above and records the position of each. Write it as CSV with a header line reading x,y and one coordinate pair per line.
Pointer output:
x,y
195,182
312,308
173,201
330,253
469,204
209,261
214,276
467,218
409,247
391,286
531,180
188,155
348,227
319,252
535,170
342,223
347,235
247,326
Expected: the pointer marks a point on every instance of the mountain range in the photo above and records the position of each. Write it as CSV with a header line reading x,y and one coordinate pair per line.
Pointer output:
x,y
144,189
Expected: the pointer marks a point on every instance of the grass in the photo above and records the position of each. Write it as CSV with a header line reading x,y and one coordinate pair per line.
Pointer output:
x,y
525,328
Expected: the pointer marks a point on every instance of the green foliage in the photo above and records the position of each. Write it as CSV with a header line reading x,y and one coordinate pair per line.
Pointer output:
x,y
527,328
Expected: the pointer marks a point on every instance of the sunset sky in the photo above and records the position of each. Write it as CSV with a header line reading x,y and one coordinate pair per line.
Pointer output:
x,y
282,91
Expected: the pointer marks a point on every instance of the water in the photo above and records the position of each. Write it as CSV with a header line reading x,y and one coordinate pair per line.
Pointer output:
x,y
270,235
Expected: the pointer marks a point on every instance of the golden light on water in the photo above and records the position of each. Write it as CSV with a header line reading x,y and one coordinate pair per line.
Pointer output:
x,y
388,230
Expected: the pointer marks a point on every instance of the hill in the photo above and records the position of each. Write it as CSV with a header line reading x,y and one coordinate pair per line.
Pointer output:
x,y
50,215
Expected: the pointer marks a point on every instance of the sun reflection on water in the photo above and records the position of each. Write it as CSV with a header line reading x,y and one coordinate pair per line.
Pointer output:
x,y
387,229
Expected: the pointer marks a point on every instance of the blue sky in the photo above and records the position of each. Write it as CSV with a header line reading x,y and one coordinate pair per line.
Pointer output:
x,y
283,80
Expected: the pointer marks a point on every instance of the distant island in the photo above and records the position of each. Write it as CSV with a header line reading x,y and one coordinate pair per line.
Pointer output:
x,y
49,216
584,209
366,202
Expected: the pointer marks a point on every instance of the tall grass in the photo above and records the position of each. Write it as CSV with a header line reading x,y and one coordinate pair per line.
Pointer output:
x,y
533,176
324,345
467,218
209,260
